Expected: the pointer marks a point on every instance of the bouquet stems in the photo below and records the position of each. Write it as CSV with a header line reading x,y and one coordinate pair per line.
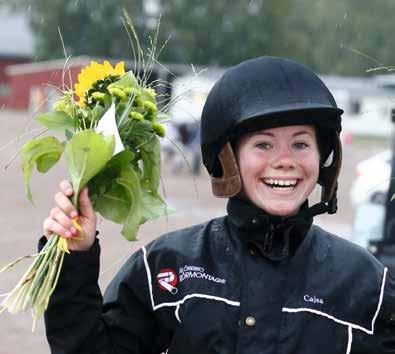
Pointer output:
x,y
36,286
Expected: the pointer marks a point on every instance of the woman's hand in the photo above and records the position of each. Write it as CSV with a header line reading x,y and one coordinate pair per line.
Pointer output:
x,y
60,218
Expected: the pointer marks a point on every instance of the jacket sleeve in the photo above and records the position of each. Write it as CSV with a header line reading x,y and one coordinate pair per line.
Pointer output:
x,y
78,321
383,339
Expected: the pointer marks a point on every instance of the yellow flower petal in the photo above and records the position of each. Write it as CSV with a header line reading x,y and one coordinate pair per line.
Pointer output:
x,y
92,73
120,68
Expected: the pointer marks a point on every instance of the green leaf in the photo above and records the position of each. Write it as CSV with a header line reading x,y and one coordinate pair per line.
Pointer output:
x,y
154,206
44,152
87,153
107,195
58,121
114,204
127,80
150,154
130,181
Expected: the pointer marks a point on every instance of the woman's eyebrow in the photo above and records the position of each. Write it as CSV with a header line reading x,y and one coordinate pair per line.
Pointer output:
x,y
263,133
301,133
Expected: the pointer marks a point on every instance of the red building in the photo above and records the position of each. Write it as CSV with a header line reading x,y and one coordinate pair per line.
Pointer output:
x,y
37,85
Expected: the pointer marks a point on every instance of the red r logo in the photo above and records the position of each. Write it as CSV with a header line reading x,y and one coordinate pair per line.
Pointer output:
x,y
167,280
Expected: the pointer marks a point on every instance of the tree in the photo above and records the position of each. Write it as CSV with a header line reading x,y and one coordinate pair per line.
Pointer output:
x,y
88,27
221,32
333,37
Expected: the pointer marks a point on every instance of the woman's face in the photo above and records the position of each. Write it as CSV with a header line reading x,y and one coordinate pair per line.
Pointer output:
x,y
279,167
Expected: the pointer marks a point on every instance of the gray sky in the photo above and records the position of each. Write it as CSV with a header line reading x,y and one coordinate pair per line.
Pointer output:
x,y
15,35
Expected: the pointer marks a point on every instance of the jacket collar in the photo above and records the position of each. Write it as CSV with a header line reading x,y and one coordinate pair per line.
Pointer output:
x,y
274,237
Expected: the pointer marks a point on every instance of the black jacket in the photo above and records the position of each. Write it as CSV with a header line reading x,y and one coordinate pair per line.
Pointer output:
x,y
243,283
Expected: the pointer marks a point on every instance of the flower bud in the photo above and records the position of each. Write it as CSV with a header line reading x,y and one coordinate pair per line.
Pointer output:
x,y
99,96
159,128
136,115
150,107
117,92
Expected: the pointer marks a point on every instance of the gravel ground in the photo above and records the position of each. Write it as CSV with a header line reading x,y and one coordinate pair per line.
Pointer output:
x,y
21,222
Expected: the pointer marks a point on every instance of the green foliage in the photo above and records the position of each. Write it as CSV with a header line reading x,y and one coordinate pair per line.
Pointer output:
x,y
57,121
121,192
86,154
107,195
129,179
44,153
150,154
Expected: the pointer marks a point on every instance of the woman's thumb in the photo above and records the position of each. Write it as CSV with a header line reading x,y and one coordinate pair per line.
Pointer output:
x,y
85,205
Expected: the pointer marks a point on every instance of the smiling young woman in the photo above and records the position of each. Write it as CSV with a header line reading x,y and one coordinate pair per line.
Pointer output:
x,y
261,279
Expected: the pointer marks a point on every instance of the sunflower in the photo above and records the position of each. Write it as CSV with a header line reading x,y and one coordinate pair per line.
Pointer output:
x,y
93,75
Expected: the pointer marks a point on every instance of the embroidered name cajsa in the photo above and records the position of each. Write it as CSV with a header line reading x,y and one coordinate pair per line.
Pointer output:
x,y
313,299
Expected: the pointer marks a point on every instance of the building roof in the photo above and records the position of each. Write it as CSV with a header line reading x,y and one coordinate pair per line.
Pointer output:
x,y
16,38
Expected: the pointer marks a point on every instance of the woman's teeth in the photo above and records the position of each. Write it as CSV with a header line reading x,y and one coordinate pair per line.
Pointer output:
x,y
274,183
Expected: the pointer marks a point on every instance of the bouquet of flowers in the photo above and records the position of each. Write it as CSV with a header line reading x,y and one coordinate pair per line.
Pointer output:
x,y
111,125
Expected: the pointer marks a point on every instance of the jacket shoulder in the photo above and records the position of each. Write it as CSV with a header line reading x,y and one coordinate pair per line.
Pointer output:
x,y
189,241
344,253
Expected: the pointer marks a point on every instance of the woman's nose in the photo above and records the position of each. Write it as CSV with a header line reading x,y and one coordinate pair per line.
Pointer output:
x,y
284,159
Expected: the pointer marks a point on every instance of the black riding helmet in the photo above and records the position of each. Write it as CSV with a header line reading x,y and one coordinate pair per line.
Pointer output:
x,y
264,93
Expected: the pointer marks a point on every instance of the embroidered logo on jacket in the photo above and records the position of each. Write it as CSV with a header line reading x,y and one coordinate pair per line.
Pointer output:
x,y
193,272
167,280
313,299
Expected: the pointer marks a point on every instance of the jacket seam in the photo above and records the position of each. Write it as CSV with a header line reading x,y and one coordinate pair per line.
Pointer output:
x,y
349,342
149,277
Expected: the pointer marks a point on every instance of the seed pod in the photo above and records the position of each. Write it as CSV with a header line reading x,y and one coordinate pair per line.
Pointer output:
x,y
117,92
137,101
136,115
100,96
159,128
150,107
150,116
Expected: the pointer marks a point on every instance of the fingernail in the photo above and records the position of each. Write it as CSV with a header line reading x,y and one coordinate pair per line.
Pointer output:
x,y
68,234
73,230
69,191
73,214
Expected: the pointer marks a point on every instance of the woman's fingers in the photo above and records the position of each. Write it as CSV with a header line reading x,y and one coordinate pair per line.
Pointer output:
x,y
51,226
63,220
59,216
66,188
64,203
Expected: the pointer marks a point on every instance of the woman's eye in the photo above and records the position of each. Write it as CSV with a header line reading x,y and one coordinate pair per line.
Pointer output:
x,y
263,146
300,146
